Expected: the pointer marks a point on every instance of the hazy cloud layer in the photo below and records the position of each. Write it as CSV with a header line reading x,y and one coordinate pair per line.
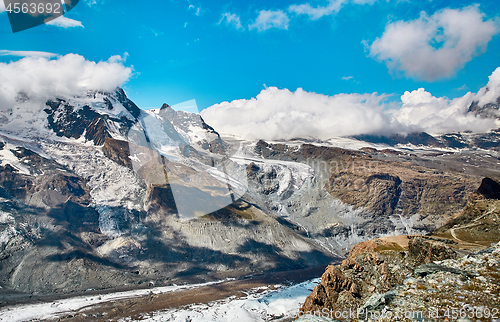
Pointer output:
x,y
434,47
21,53
231,19
42,78
332,7
282,114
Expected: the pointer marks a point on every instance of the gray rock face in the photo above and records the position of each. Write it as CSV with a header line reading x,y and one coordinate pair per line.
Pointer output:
x,y
60,233
377,300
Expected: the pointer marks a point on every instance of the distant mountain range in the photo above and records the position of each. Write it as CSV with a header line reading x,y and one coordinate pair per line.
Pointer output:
x,y
97,193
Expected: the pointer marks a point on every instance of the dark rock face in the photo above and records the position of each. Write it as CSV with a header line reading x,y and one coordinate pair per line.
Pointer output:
x,y
490,189
64,121
490,110
386,192
72,122
118,151
431,268
52,189
160,197
417,139
454,140
13,184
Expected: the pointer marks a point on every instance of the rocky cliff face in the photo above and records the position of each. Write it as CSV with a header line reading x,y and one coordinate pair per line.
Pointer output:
x,y
387,196
425,275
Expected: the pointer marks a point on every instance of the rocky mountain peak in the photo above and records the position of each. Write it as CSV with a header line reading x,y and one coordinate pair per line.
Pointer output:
x,y
489,110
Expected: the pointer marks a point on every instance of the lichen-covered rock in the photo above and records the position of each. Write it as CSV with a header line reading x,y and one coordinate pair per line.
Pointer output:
x,y
427,250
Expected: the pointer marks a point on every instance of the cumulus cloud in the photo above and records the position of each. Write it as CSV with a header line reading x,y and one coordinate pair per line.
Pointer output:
x,y
282,114
268,19
69,75
231,19
491,92
434,47
421,111
65,22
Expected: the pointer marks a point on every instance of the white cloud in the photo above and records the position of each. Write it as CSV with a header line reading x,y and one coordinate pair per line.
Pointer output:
x,y
332,7
268,19
69,75
21,53
315,13
435,47
437,115
346,78
491,92
282,114
231,20
65,22
90,3
197,10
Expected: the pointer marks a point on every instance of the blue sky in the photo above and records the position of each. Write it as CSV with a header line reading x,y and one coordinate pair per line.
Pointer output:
x,y
215,51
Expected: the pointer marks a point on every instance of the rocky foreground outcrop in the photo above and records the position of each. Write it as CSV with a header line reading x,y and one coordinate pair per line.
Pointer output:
x,y
418,277
386,282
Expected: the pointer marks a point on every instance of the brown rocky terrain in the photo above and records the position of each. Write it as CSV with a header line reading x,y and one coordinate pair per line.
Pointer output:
x,y
428,274
479,221
401,185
